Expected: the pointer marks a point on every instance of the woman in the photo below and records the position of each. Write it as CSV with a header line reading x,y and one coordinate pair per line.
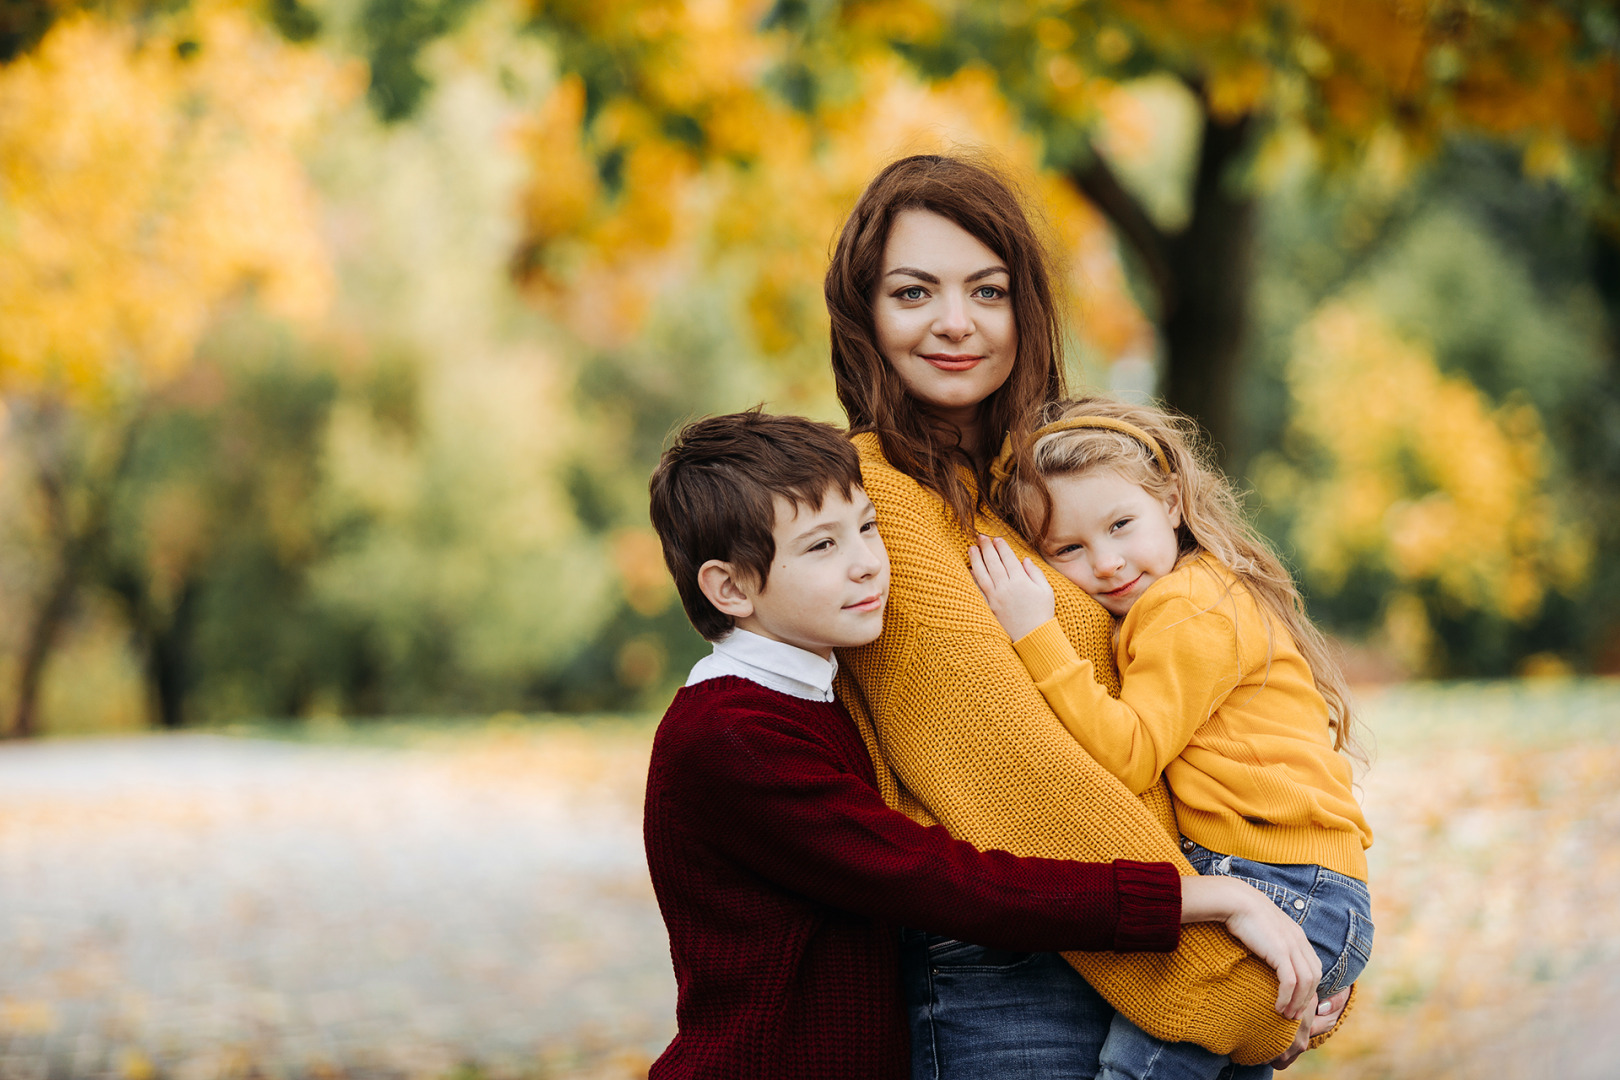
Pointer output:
x,y
946,340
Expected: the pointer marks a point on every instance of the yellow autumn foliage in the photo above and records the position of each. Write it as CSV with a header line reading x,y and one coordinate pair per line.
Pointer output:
x,y
771,184
1417,474
144,179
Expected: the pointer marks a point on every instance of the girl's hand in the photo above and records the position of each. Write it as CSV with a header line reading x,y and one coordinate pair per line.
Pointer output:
x,y
1018,593
1264,930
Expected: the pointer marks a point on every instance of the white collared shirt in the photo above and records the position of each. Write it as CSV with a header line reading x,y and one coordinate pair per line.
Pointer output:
x,y
775,665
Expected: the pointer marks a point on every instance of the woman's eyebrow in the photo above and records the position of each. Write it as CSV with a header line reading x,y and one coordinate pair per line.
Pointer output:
x,y
923,275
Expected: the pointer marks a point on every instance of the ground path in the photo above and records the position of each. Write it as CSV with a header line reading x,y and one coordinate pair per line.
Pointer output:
x,y
472,903
201,906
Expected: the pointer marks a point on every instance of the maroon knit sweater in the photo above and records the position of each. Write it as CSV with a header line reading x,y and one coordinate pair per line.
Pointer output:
x,y
783,878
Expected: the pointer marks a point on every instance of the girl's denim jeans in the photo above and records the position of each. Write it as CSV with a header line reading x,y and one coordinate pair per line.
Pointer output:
x,y
982,1013
1334,911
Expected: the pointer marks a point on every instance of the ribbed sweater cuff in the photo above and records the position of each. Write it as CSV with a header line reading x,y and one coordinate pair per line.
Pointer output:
x,y
1149,906
1045,650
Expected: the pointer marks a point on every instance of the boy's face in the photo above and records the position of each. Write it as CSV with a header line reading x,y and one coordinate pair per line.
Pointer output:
x,y
829,578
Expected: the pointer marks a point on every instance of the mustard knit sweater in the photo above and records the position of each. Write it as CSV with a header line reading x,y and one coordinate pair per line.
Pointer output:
x,y
960,736
1220,702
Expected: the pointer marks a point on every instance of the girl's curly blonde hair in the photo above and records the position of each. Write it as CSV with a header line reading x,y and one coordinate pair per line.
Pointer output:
x,y
1175,459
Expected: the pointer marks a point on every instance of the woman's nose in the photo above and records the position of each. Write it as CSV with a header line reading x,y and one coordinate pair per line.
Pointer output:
x,y
954,322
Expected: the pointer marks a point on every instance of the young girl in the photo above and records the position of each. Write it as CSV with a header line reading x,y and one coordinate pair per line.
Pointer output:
x,y
1227,689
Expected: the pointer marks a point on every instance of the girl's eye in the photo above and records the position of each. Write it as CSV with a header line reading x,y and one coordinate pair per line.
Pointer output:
x,y
1120,524
1066,549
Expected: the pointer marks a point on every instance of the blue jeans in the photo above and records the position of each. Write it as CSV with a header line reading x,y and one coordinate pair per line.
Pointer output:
x,y
981,1013
1334,911
989,1014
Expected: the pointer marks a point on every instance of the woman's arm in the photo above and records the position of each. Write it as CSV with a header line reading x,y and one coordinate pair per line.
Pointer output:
x,y
960,736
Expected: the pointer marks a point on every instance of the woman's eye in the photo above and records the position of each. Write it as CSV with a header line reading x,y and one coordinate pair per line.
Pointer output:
x,y
989,292
912,292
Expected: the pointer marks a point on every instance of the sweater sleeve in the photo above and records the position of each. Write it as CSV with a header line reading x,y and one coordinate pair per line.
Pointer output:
x,y
1182,662
773,797
962,737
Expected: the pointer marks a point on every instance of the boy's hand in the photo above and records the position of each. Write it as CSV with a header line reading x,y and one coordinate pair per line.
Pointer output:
x,y
1264,930
1018,593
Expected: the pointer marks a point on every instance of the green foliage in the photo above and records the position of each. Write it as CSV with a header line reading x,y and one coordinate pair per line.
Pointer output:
x,y
1495,278
395,32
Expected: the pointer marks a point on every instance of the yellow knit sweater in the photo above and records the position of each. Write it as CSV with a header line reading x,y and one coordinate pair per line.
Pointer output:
x,y
960,736
1224,706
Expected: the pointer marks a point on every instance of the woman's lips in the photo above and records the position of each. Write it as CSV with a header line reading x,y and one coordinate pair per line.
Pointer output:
x,y
952,361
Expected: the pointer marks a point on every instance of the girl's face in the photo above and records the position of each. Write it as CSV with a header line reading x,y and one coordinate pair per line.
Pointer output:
x,y
944,316
1111,536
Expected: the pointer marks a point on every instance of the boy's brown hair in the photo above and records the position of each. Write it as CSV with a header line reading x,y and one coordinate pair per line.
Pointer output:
x,y
714,495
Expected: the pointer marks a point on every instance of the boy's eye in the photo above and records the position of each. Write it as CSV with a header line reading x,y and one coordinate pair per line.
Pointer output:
x,y
870,526
1120,524
821,545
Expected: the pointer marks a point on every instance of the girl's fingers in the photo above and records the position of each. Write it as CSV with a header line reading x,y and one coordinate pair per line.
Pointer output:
x,y
1009,561
976,568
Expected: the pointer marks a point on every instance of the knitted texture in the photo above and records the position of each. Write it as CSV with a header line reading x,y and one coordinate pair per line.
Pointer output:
x,y
1219,700
963,738
782,877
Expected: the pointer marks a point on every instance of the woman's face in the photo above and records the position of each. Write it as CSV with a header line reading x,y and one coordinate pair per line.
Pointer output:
x,y
944,316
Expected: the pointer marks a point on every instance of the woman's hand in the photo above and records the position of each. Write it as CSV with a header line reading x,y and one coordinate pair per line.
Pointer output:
x,y
1327,1014
1019,595
1264,930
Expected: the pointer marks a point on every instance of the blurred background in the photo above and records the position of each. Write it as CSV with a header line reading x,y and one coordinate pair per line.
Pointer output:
x,y
338,338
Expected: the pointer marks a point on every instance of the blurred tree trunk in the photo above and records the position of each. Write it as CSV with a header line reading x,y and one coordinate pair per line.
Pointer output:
x,y
77,539
165,641
1202,276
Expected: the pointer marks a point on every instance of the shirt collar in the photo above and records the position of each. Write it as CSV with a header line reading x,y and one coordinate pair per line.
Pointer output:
x,y
775,664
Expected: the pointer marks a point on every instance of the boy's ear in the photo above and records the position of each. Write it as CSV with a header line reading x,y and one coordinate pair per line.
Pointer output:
x,y
719,583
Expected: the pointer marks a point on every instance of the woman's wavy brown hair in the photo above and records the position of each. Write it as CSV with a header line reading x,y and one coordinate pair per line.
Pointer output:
x,y
986,204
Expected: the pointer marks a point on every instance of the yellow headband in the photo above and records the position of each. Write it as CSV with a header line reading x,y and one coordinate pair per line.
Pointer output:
x,y
1001,468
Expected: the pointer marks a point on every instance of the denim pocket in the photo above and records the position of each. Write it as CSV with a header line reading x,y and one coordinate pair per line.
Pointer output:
x,y
946,952
1353,960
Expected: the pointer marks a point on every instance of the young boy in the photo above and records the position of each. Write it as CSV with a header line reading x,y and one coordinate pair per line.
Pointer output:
x,y
780,872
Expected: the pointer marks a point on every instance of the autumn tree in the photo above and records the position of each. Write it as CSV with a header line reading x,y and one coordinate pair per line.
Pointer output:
x,y
147,177
658,93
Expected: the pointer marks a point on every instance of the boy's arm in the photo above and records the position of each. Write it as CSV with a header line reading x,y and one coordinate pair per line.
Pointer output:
x,y
1182,665
774,797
